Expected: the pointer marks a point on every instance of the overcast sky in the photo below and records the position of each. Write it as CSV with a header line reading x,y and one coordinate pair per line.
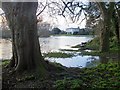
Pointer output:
x,y
60,21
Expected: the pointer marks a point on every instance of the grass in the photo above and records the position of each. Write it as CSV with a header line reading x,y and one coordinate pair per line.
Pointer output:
x,y
67,84
91,45
77,46
26,78
58,55
5,62
69,50
65,35
102,76
92,53
94,46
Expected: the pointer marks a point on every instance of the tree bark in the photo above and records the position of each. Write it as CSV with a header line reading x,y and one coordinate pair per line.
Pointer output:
x,y
25,44
118,13
105,31
104,37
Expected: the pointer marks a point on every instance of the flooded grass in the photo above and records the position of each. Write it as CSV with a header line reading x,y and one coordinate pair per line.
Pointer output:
x,y
92,53
76,46
65,35
58,55
69,50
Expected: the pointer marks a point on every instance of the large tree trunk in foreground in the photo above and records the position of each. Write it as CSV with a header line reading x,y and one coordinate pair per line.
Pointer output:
x,y
25,44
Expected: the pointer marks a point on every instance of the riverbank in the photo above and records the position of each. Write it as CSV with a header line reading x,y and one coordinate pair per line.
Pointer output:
x,y
103,76
48,45
92,48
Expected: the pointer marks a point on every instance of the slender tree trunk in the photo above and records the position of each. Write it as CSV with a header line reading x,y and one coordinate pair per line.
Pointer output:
x,y
26,49
105,31
118,21
119,28
104,36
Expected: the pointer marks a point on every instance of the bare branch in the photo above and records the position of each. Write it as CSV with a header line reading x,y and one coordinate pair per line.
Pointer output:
x,y
42,10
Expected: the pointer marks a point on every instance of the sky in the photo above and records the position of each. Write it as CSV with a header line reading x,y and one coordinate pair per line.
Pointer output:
x,y
1,11
59,21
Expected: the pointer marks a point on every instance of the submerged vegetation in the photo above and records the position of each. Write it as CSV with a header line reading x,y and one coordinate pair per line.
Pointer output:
x,y
58,55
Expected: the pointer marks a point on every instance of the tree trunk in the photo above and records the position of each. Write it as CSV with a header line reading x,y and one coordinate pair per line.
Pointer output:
x,y
105,31
25,44
119,27
104,37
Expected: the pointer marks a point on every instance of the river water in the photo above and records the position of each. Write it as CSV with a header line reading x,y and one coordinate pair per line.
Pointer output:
x,y
54,44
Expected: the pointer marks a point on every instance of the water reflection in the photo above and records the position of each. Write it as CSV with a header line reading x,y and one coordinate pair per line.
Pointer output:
x,y
53,44
77,61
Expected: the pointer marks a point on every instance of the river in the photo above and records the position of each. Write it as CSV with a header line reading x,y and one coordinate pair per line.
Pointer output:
x,y
54,44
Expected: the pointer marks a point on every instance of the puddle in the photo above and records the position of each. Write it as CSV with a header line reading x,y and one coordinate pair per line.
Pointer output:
x,y
77,61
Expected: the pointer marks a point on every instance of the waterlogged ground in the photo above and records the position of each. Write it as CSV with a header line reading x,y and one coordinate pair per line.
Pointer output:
x,y
75,60
105,76
55,44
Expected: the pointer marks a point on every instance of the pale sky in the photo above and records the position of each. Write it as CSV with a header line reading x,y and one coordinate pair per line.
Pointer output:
x,y
59,21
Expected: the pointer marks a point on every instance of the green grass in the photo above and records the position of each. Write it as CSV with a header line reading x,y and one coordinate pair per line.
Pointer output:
x,y
110,54
65,35
92,53
69,50
66,83
102,76
5,62
26,78
93,44
77,46
58,55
